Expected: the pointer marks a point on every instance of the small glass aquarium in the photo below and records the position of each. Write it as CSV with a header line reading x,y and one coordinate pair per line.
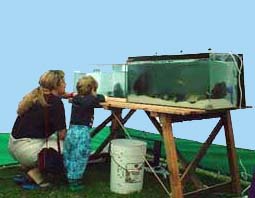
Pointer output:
x,y
111,79
204,81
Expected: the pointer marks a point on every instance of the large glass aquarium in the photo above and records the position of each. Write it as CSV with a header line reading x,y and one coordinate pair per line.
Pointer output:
x,y
111,79
204,81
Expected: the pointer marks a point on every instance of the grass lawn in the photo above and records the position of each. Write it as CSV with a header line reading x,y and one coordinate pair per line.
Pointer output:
x,y
97,177
97,185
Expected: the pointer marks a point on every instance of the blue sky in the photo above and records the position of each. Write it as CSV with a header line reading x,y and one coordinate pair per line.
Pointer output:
x,y
72,35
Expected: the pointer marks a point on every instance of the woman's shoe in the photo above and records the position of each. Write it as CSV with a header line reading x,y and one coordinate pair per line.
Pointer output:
x,y
21,179
34,186
30,186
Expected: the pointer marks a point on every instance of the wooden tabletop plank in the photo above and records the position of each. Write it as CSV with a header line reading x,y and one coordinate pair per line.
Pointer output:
x,y
152,108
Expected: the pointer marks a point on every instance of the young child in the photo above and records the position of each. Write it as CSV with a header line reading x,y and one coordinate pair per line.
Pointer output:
x,y
77,142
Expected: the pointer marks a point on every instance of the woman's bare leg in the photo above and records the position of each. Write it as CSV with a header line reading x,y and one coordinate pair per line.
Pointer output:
x,y
36,175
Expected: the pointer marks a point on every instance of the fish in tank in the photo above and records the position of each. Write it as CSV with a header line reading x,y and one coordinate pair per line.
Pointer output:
x,y
204,81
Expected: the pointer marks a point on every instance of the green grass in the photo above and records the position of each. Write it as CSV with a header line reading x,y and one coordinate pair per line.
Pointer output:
x,y
97,185
96,181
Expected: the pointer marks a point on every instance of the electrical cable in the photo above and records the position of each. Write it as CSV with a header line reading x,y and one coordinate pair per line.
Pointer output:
x,y
239,75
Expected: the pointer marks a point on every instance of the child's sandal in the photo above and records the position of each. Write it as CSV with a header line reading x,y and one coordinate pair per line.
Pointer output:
x,y
75,185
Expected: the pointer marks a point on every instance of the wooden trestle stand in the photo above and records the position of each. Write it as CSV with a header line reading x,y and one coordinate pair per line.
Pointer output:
x,y
168,116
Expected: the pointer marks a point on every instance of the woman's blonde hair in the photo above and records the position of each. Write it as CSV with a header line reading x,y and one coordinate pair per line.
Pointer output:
x,y
49,81
86,85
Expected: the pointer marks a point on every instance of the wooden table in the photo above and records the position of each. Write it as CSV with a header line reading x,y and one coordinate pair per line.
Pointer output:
x,y
167,116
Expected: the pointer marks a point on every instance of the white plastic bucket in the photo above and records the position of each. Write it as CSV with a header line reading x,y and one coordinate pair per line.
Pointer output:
x,y
127,165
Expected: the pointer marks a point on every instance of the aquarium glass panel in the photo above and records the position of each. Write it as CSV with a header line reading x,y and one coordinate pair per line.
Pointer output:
x,y
111,79
76,76
119,84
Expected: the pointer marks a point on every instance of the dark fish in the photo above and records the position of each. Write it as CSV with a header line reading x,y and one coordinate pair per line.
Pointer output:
x,y
118,91
141,84
219,90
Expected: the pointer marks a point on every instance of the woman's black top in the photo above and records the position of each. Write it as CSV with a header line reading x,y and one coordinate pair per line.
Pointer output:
x,y
32,123
83,109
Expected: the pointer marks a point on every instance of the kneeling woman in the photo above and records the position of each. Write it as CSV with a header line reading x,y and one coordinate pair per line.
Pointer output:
x,y
29,135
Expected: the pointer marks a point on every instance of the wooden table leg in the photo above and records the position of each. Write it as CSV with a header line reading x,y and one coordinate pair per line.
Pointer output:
x,y
116,129
232,158
101,126
171,156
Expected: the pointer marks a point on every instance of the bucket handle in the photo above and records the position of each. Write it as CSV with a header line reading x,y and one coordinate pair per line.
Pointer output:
x,y
113,158
126,169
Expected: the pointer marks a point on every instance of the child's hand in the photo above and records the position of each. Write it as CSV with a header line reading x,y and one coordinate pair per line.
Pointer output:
x,y
62,134
69,95
105,98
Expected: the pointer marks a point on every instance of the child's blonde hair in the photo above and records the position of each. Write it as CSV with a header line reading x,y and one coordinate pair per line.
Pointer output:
x,y
86,85
49,81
